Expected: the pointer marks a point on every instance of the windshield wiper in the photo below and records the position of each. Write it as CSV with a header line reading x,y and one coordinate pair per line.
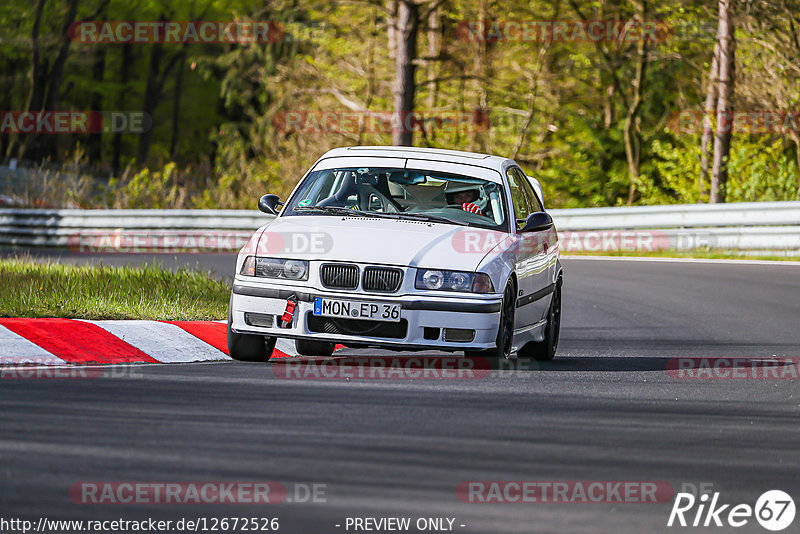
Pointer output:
x,y
431,218
335,210
338,210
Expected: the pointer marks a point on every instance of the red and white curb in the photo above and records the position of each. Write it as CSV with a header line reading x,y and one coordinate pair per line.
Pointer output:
x,y
81,342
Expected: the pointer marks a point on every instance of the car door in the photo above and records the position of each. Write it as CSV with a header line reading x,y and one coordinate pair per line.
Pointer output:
x,y
530,255
547,238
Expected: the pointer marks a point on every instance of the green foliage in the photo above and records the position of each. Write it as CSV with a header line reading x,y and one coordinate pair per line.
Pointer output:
x,y
762,171
674,174
557,107
157,189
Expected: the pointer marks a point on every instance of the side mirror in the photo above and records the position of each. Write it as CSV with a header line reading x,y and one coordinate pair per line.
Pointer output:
x,y
536,222
269,204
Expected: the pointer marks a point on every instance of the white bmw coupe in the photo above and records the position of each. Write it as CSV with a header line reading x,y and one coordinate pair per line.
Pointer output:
x,y
402,248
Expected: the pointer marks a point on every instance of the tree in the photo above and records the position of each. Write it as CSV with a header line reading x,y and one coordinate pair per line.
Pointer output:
x,y
156,78
46,78
408,19
633,143
126,59
709,108
722,139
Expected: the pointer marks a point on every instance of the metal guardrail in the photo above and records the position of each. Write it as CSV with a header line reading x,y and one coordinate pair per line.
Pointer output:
x,y
680,216
67,228
763,227
757,226
772,240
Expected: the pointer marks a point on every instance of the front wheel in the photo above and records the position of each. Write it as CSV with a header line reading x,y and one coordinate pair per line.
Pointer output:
x,y
308,347
505,330
250,347
545,350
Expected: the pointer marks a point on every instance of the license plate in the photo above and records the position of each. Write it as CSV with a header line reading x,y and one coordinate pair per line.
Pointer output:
x,y
353,309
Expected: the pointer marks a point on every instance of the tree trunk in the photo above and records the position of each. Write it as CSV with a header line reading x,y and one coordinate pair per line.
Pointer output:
x,y
150,101
434,47
404,88
479,141
156,77
95,142
52,101
722,139
371,81
432,68
796,138
176,106
708,128
391,27
127,58
630,131
39,71
38,79
610,107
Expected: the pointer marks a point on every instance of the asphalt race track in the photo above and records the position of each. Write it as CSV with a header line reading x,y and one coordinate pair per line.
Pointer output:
x,y
605,410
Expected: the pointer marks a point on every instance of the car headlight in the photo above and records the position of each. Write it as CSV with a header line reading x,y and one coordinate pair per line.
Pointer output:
x,y
441,280
275,268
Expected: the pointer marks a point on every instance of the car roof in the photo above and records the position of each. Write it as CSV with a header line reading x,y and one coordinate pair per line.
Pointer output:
x,y
433,154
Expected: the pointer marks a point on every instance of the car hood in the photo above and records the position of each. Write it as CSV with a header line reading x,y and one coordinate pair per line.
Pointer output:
x,y
377,241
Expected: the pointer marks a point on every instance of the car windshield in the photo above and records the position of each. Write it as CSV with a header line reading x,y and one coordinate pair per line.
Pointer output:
x,y
401,193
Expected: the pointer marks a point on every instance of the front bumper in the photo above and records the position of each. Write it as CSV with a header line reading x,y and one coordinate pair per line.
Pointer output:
x,y
418,316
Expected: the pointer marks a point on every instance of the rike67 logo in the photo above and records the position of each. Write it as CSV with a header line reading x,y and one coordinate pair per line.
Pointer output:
x,y
774,510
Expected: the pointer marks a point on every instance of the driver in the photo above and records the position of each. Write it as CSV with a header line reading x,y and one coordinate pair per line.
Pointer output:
x,y
465,195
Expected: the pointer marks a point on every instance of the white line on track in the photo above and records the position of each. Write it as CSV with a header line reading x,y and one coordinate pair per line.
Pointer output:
x,y
682,260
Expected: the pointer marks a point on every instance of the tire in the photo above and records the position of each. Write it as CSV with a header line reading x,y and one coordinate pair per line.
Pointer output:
x,y
545,350
308,347
505,330
250,347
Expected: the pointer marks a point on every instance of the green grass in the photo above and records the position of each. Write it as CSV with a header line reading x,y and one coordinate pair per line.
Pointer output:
x,y
703,254
36,289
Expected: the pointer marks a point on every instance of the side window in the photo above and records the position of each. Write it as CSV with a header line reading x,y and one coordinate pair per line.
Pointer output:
x,y
533,200
521,207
